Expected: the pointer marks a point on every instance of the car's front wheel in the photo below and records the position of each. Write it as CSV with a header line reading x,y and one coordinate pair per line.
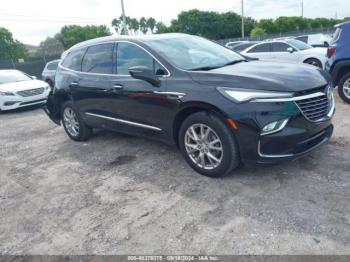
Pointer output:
x,y
208,145
344,87
73,124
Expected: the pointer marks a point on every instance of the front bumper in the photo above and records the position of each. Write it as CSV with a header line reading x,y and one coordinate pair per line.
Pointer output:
x,y
16,101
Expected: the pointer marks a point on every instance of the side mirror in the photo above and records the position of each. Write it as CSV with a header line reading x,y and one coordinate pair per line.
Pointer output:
x,y
33,77
144,73
326,44
290,49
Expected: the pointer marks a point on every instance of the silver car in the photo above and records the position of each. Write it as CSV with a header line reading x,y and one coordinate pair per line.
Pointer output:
x,y
49,72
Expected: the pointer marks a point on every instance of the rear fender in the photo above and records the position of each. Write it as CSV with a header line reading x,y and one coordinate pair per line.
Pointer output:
x,y
52,109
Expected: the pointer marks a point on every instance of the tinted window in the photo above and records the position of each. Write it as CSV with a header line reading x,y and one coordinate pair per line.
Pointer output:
x,y
99,59
302,38
260,48
279,47
242,47
129,55
52,66
336,34
73,59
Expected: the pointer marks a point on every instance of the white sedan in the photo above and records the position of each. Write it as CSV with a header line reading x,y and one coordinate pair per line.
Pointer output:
x,y
288,50
18,89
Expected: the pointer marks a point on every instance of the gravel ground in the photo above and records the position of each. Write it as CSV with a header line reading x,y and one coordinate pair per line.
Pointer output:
x,y
117,194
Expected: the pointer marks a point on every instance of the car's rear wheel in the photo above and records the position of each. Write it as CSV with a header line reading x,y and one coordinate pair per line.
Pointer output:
x,y
344,87
73,124
208,145
314,62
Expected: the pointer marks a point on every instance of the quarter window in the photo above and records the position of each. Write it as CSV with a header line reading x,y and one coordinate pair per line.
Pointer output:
x,y
52,66
129,55
99,59
73,59
260,48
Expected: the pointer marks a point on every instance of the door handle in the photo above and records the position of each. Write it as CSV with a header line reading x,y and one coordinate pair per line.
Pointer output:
x,y
74,83
117,86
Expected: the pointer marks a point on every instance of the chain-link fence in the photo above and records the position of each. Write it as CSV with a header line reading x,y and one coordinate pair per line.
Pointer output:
x,y
32,66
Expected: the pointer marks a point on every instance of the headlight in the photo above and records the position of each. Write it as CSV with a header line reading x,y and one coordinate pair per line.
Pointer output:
x,y
246,95
6,93
274,127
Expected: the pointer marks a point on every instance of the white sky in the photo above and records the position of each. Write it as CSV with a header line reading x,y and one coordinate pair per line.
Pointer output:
x,y
31,21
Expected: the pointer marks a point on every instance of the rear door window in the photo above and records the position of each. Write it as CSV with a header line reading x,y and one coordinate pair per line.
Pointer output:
x,y
99,59
73,59
260,48
279,47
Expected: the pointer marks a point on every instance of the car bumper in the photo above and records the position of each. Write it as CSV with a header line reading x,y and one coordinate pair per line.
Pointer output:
x,y
14,102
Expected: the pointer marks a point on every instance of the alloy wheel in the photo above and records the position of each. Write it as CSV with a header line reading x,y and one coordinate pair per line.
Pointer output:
x,y
71,121
346,88
203,146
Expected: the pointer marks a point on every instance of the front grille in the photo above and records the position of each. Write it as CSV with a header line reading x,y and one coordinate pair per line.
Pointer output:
x,y
31,92
316,108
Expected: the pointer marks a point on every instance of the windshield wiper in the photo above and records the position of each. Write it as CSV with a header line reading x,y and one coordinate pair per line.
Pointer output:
x,y
207,68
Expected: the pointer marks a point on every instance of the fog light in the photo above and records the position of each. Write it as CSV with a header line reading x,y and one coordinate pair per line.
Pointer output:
x,y
274,127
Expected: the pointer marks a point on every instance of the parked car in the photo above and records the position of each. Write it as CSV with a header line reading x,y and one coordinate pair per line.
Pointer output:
x,y
243,46
220,110
338,64
235,43
315,40
288,50
18,89
49,72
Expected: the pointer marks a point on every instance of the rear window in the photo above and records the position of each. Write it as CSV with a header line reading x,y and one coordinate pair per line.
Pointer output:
x,y
336,34
52,66
73,59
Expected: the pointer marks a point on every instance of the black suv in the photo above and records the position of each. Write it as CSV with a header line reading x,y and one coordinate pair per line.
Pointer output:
x,y
218,107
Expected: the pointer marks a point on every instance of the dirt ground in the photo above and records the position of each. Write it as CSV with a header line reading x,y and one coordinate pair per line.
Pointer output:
x,y
117,194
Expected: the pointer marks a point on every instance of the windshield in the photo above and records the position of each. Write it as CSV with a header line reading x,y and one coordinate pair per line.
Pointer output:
x,y
12,76
192,52
298,44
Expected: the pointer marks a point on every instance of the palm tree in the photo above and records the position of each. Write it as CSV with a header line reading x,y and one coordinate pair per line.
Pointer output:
x,y
134,25
151,23
143,25
127,24
116,24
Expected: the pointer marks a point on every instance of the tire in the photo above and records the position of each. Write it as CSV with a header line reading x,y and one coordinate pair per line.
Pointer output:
x,y
78,131
50,83
344,88
229,154
314,62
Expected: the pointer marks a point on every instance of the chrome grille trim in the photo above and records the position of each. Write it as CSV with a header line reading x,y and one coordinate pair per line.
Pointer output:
x,y
318,108
31,92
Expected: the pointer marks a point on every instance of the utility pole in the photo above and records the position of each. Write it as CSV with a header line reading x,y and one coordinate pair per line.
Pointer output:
x,y
302,8
242,18
124,20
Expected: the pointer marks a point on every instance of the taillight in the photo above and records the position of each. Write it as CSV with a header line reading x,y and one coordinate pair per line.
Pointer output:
x,y
330,52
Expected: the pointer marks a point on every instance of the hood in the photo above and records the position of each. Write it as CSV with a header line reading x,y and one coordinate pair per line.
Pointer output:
x,y
264,75
22,85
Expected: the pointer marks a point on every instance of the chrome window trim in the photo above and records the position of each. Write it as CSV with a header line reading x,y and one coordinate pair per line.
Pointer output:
x,y
124,121
113,42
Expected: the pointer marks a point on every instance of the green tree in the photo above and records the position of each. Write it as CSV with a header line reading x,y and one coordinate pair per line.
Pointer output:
x,y
116,24
50,46
10,48
151,23
134,25
73,34
143,25
161,28
257,31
